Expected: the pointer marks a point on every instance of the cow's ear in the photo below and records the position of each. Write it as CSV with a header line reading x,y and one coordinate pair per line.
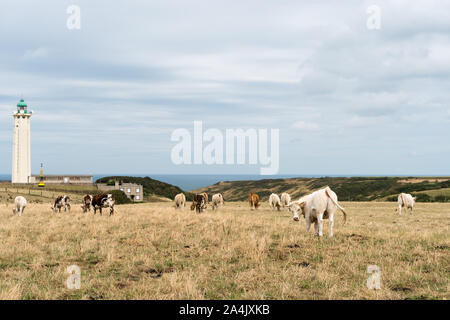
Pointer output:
x,y
303,204
415,198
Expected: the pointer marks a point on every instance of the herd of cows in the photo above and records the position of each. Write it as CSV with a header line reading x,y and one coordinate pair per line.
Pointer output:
x,y
97,202
315,207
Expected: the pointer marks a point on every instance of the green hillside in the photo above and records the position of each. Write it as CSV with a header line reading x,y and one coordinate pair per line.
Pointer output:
x,y
347,189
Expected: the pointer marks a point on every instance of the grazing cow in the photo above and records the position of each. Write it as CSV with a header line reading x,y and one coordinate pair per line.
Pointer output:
x,y
216,201
205,195
285,199
253,200
200,202
87,203
274,202
405,200
103,200
19,205
315,207
180,201
61,202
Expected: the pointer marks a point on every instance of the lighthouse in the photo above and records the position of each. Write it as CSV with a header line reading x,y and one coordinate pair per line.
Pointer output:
x,y
21,158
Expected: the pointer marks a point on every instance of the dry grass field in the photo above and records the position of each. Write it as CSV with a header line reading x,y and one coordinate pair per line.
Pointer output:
x,y
151,251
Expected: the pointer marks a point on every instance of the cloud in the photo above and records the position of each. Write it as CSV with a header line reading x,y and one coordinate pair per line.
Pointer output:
x,y
415,154
306,126
137,70
35,53
361,121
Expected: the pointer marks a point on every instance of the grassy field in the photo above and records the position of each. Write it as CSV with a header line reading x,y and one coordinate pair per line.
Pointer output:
x,y
151,251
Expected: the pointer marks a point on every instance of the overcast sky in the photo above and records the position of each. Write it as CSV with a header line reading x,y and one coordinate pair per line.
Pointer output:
x,y
347,100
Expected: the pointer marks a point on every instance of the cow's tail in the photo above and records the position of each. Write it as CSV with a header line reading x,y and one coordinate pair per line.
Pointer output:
x,y
327,191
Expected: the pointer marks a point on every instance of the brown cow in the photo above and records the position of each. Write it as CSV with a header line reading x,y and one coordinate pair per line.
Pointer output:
x,y
199,202
253,200
205,195
86,203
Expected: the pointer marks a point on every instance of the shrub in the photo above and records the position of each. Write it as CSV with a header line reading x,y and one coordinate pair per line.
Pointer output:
x,y
423,197
441,198
120,197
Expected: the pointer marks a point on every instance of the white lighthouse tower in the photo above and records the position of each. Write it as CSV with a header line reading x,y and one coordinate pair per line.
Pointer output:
x,y
21,165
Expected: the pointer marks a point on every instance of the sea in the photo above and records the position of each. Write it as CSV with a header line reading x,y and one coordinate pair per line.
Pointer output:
x,y
192,181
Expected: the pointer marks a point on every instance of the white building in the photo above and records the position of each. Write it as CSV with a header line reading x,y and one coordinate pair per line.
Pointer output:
x,y
133,191
62,179
21,162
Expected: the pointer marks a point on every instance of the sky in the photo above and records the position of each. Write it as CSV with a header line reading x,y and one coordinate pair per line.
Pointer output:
x,y
346,99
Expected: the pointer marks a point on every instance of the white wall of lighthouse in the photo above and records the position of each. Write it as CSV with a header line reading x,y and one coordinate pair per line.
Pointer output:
x,y
21,162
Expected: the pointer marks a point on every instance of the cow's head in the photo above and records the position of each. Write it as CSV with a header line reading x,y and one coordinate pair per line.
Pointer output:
x,y
109,201
296,208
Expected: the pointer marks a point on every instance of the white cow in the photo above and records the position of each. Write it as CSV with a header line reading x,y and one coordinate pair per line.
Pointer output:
x,y
285,199
216,201
315,207
405,200
274,202
180,201
19,205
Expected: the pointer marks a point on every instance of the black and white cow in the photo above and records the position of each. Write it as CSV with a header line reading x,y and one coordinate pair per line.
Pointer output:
x,y
103,200
61,202
87,203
